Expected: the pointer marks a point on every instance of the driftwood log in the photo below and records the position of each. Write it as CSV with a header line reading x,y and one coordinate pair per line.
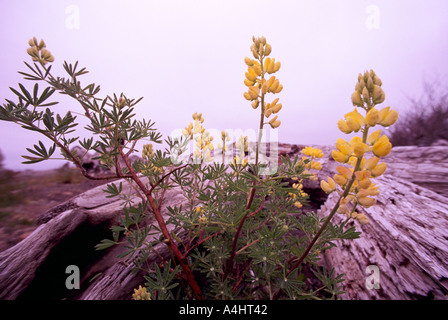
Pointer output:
x,y
403,252
35,268
406,239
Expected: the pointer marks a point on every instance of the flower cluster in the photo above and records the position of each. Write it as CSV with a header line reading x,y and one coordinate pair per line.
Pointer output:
x,y
354,183
147,155
257,82
308,164
141,294
38,52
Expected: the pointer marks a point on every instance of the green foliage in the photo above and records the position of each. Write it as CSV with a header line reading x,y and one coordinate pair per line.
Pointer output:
x,y
238,235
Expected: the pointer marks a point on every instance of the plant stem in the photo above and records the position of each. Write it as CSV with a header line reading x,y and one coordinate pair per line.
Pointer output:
x,y
163,228
335,208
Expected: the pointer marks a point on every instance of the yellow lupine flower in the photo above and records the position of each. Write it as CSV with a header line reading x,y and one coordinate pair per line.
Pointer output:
x,y
274,122
315,165
354,120
248,83
373,137
342,125
312,152
366,201
250,74
248,61
387,117
372,117
329,186
382,147
362,218
359,148
339,156
379,169
340,179
371,163
252,94
344,147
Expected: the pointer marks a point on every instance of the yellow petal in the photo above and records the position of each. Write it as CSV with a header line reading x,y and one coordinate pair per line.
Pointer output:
x,y
339,156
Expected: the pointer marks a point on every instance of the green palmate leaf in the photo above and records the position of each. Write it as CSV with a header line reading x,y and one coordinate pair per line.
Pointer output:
x,y
104,244
47,93
26,93
113,190
40,153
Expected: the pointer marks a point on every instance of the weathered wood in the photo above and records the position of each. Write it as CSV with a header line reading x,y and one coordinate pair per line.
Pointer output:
x,y
406,238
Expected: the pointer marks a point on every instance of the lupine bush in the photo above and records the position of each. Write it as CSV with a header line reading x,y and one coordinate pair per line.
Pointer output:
x,y
240,233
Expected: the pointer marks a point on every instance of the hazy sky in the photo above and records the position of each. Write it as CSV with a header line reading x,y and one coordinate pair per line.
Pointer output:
x,y
188,56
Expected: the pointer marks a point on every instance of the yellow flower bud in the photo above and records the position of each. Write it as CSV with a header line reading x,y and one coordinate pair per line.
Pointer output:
x,y
268,111
362,219
342,125
248,83
254,52
32,51
372,117
377,81
252,94
356,99
255,104
369,83
298,204
276,108
257,69
248,61
378,95
267,49
382,147
267,63
41,44
365,94
365,183
366,201
250,74
274,122
277,66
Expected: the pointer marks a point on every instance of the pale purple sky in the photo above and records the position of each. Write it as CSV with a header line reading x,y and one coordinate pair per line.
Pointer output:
x,y
188,56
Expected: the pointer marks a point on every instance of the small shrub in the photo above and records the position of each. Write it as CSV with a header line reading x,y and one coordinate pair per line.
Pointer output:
x,y
245,236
